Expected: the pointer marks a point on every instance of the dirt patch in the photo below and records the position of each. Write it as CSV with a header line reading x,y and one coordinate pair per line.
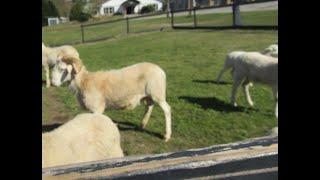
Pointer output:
x,y
53,111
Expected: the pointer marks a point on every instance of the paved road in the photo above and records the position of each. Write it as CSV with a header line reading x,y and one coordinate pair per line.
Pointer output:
x,y
244,8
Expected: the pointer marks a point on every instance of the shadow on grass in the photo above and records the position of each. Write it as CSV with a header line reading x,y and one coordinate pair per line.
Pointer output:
x,y
211,81
56,122
50,127
128,126
214,103
123,126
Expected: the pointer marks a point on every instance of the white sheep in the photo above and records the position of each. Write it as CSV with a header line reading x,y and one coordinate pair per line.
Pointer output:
x,y
272,50
87,137
116,89
254,67
50,54
228,63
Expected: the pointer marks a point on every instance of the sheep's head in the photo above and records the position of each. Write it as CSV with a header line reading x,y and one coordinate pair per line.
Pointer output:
x,y
65,69
272,50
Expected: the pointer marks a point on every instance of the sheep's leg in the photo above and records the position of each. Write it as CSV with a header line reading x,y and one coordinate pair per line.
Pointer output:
x,y
167,112
275,94
46,68
246,86
276,110
147,113
95,103
80,100
236,84
220,74
274,131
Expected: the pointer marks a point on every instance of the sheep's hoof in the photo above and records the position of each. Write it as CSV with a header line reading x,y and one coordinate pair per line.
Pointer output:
x,y
143,126
166,138
251,104
274,131
235,105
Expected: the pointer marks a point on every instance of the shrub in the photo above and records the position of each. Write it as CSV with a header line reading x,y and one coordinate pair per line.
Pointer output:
x,y
147,9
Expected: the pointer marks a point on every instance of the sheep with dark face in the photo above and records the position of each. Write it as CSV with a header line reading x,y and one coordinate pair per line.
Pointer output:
x,y
87,137
116,89
50,55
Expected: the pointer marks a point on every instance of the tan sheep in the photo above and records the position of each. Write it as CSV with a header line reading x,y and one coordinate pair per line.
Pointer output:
x,y
116,89
49,57
87,137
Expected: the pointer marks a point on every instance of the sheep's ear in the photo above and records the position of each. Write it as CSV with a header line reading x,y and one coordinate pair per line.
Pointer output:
x,y
76,63
60,56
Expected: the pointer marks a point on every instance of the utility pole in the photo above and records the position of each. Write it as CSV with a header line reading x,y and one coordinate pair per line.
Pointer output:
x,y
168,8
236,13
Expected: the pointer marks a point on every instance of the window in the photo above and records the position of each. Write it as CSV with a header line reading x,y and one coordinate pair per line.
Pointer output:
x,y
108,10
111,10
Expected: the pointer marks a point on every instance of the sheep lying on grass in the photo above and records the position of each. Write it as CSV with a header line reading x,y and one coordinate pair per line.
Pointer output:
x,y
49,57
272,50
253,67
87,137
116,89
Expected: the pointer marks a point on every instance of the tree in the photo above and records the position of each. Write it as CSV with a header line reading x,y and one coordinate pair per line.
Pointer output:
x,y
53,9
77,13
48,10
63,6
95,5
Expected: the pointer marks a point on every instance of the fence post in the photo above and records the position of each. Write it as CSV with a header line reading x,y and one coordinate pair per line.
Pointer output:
x,y
194,17
236,17
172,22
82,34
127,19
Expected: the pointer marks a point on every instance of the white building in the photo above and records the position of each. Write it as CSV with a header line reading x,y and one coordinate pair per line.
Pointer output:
x,y
53,21
128,6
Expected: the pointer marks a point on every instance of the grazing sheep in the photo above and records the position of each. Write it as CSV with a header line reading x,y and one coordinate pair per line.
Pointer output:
x,y
254,67
272,50
87,137
116,89
229,64
49,57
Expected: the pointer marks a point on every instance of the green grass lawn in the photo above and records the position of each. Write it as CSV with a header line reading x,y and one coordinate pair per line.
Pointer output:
x,y
71,33
201,113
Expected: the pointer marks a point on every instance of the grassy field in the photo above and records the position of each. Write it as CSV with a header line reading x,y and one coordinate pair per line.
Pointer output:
x,y
201,113
71,33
